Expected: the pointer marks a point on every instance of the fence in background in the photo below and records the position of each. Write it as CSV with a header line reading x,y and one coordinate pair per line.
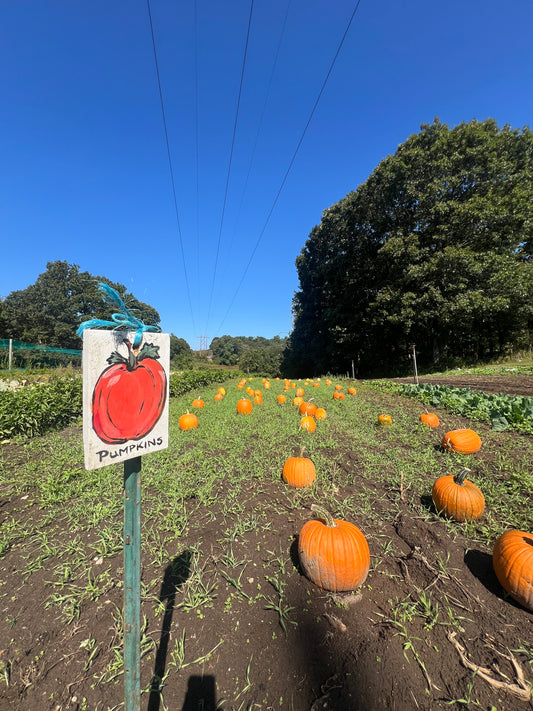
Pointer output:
x,y
18,354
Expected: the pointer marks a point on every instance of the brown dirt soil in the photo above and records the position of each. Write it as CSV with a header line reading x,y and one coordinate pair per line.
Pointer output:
x,y
510,384
333,652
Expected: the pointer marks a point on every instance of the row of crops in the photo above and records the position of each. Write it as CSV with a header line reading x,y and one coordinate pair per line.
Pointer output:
x,y
504,412
334,553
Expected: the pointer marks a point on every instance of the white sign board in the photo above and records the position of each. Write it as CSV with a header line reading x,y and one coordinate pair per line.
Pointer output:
x,y
125,395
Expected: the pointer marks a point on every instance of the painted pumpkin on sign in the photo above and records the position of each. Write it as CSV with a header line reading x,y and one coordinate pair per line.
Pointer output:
x,y
129,396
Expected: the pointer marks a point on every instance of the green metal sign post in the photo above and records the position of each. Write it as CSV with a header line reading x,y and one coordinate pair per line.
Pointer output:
x,y
117,390
132,584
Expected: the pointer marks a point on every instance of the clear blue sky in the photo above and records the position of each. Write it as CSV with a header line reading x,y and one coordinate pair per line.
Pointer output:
x,y
85,175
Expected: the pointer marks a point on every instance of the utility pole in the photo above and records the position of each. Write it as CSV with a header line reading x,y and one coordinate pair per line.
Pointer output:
x,y
414,365
203,343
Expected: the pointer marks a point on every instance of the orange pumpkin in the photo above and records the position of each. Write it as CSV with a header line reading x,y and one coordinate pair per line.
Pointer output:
x,y
244,406
338,387
299,471
307,408
281,399
430,419
222,391
352,391
338,395
334,554
463,441
300,392
512,560
320,413
258,399
188,421
198,403
458,498
219,397
308,423
384,420
297,401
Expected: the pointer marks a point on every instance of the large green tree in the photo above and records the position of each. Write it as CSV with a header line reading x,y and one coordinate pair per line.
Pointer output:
x,y
434,249
254,353
181,355
50,311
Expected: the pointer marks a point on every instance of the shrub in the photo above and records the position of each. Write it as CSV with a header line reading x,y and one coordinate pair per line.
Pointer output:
x,y
36,409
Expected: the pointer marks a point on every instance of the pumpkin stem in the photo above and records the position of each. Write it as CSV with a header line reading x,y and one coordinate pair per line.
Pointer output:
x,y
460,477
302,450
324,515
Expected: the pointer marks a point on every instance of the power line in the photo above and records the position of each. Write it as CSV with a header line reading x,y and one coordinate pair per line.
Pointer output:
x,y
196,101
290,165
230,161
263,111
170,163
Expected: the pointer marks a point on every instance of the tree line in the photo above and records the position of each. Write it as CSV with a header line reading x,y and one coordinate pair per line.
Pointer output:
x,y
254,354
434,249
49,311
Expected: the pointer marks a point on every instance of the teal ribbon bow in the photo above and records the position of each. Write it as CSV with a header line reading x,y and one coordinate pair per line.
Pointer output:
x,y
124,321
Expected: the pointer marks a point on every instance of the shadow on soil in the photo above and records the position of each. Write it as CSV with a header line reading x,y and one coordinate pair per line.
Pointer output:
x,y
201,694
341,677
176,573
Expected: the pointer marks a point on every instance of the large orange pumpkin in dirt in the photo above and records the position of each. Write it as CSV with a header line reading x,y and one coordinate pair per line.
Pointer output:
x,y
458,498
512,559
299,471
334,554
463,441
